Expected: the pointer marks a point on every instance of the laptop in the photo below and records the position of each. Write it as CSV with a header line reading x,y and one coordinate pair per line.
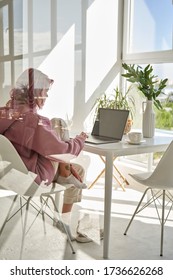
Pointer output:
x,y
109,128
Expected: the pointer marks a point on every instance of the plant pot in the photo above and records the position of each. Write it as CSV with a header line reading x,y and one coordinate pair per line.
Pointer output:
x,y
148,120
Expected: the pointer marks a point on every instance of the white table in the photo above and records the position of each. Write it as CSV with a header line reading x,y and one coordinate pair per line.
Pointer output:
x,y
157,144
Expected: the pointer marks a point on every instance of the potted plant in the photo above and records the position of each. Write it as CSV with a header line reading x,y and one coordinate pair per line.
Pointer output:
x,y
146,82
117,100
150,86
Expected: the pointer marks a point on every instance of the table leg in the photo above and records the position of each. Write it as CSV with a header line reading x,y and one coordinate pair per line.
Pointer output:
x,y
107,205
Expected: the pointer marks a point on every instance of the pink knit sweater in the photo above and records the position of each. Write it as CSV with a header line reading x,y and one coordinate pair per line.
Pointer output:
x,y
35,141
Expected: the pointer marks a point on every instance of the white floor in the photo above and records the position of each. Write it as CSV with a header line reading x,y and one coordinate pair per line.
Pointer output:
x,y
141,243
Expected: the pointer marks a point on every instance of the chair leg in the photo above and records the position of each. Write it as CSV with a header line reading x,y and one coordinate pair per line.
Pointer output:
x,y
67,234
124,180
93,183
162,223
8,214
118,181
136,211
115,177
121,175
21,212
24,227
42,213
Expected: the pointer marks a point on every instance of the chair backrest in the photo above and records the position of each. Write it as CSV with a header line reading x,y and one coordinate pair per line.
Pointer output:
x,y
24,183
9,153
162,176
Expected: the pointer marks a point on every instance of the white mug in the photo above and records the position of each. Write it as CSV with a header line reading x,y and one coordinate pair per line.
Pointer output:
x,y
135,137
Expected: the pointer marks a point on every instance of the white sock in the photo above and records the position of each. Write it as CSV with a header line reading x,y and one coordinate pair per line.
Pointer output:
x,y
71,180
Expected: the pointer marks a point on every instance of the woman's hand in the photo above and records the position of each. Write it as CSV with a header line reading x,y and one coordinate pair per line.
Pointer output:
x,y
83,135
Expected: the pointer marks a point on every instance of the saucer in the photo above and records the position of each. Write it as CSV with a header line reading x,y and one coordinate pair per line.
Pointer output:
x,y
132,143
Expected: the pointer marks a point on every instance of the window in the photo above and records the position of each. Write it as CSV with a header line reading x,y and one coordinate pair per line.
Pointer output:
x,y
150,26
5,31
40,25
80,41
148,39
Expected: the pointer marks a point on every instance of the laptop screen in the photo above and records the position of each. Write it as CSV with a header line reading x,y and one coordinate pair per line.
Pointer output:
x,y
112,122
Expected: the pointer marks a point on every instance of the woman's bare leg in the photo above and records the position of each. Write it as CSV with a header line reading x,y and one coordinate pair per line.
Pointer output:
x,y
68,175
67,208
64,169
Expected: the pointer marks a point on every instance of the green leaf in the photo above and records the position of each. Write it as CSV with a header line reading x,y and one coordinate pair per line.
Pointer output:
x,y
146,81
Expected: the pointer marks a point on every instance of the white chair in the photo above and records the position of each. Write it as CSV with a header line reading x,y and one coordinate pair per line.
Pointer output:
x,y
21,182
160,183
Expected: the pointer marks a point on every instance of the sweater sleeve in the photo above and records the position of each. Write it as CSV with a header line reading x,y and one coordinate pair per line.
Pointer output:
x,y
47,142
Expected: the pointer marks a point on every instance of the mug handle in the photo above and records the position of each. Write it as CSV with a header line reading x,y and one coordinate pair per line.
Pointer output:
x,y
143,106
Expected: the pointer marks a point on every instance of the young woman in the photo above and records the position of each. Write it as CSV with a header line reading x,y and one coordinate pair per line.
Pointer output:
x,y
35,140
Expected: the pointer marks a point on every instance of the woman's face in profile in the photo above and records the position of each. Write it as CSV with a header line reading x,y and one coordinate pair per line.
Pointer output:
x,y
41,99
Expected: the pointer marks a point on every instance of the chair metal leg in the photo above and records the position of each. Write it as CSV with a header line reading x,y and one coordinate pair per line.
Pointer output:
x,y
136,210
96,179
42,213
21,212
162,220
121,176
162,223
67,234
24,227
124,180
24,224
39,211
8,214
118,181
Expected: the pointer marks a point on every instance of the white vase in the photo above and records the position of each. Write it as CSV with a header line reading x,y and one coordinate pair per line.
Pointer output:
x,y
148,121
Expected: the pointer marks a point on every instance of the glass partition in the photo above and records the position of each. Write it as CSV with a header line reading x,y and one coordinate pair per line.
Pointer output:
x,y
150,26
4,30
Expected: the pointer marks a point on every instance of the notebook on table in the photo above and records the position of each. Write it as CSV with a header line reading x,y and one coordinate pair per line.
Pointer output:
x,y
110,127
